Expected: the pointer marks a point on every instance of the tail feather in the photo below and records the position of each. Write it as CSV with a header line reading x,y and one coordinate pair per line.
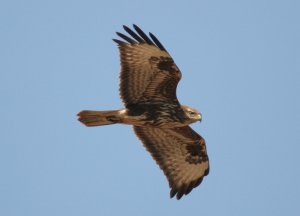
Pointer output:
x,y
97,118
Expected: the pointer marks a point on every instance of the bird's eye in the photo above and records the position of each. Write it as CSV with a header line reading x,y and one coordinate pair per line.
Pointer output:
x,y
192,113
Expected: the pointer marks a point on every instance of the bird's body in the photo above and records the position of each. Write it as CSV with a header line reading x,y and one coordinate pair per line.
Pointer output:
x,y
161,115
148,83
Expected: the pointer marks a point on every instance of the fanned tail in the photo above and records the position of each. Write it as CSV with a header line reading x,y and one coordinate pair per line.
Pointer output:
x,y
97,118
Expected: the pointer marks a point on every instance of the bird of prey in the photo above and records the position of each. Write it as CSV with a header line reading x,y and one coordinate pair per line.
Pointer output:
x,y
148,82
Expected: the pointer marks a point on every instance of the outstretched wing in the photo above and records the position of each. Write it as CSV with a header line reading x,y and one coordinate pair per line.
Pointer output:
x,y
148,72
180,153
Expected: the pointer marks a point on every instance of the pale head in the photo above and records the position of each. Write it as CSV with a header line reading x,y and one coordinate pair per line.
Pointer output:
x,y
193,114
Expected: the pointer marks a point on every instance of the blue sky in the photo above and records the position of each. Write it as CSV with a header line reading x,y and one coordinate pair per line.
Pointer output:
x,y
241,67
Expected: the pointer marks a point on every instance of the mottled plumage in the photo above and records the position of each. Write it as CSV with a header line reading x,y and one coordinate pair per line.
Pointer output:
x,y
148,83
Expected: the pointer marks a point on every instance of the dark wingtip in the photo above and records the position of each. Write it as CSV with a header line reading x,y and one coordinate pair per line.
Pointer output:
x,y
143,35
125,27
198,182
133,34
119,42
126,38
172,193
157,42
185,189
135,26
139,36
179,195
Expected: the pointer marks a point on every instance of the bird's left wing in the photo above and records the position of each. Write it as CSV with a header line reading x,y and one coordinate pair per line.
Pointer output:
x,y
180,153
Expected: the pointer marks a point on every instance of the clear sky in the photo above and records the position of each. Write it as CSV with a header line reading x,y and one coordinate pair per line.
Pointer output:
x,y
241,68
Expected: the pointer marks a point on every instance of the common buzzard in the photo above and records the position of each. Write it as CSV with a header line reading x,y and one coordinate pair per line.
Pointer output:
x,y
148,82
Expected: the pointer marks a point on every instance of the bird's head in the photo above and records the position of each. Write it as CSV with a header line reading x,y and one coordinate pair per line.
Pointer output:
x,y
193,114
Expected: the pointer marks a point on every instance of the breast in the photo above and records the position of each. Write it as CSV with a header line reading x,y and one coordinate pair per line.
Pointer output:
x,y
159,114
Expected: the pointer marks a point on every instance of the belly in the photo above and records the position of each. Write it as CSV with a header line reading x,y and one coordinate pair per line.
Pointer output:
x,y
164,115
162,121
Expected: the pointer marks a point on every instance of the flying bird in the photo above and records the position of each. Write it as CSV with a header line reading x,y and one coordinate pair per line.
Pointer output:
x,y
148,82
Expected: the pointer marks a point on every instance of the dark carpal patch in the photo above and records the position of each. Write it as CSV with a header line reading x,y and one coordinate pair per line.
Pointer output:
x,y
164,63
196,153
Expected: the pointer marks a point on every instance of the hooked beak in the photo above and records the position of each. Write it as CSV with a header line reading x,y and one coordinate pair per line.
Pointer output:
x,y
200,118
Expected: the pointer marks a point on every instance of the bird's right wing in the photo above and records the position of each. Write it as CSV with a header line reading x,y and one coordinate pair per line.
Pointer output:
x,y
148,72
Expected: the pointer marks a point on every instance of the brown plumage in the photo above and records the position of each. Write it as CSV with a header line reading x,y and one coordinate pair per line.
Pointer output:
x,y
148,83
